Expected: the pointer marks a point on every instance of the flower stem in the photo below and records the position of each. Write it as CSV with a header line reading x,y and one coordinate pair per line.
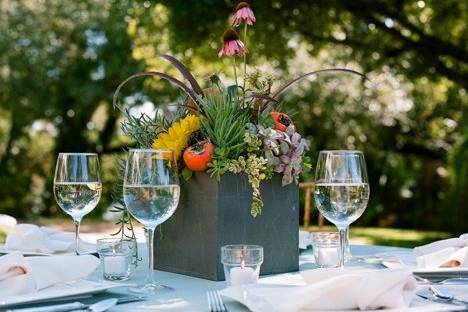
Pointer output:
x,y
245,54
235,71
245,62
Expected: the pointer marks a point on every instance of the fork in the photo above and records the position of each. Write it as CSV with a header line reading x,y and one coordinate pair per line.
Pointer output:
x,y
215,302
446,296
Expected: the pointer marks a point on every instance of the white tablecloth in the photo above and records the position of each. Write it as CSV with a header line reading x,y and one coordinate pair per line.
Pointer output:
x,y
190,292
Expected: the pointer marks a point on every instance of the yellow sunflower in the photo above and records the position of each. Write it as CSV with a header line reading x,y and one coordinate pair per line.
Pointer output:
x,y
177,136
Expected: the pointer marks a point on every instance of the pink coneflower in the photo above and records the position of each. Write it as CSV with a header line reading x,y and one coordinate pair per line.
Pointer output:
x,y
232,44
243,14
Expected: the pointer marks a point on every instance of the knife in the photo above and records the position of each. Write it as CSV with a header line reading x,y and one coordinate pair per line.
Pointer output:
x,y
76,305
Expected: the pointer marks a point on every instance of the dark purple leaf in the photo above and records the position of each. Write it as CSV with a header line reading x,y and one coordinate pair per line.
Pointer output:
x,y
185,72
327,70
167,77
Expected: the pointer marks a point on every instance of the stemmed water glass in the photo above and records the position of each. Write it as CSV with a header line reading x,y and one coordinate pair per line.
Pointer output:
x,y
77,186
341,190
151,194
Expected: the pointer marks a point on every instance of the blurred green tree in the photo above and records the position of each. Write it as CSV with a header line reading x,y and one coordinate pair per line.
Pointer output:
x,y
60,62
416,52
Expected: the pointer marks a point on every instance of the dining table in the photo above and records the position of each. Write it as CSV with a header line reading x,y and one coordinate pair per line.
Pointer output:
x,y
189,293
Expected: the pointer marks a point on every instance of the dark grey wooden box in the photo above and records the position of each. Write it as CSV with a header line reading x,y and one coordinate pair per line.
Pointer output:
x,y
212,214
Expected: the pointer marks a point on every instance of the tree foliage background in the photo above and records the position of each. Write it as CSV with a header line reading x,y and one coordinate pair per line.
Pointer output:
x,y
60,62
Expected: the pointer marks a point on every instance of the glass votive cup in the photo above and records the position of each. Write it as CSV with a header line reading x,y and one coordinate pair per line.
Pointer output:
x,y
241,263
326,249
116,256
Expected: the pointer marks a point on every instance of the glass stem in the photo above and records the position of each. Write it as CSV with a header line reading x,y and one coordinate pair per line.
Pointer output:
x,y
342,231
150,238
347,248
77,236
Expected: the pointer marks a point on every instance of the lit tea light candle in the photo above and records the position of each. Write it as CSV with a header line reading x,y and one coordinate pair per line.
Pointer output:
x,y
115,264
328,256
242,275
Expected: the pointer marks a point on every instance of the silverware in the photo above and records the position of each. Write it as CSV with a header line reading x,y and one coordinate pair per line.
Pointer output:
x,y
447,281
99,306
441,294
215,302
53,308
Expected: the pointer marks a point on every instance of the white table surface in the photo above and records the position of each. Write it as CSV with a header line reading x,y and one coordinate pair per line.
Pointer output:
x,y
189,293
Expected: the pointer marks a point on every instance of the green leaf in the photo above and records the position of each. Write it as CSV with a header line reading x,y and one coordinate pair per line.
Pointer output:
x,y
232,92
186,174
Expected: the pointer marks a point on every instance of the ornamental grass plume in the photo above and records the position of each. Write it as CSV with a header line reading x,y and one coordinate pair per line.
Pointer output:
x,y
232,46
243,14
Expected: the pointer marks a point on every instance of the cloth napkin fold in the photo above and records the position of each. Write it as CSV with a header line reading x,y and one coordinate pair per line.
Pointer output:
x,y
30,237
331,289
452,252
20,275
7,221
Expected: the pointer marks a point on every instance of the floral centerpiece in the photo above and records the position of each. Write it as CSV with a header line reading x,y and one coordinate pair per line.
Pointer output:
x,y
227,129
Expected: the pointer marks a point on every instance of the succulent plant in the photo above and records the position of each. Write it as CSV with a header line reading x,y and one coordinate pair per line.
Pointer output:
x,y
284,151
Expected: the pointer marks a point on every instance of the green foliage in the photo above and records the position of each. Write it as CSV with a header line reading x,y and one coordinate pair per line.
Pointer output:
x,y
390,236
60,69
458,160
266,121
257,170
60,64
259,82
125,221
255,166
219,164
143,129
224,123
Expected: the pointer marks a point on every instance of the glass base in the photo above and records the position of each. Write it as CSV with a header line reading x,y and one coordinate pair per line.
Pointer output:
x,y
150,289
113,277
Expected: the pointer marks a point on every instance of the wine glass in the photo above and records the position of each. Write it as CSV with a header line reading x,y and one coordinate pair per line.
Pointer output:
x,y
77,186
341,190
151,194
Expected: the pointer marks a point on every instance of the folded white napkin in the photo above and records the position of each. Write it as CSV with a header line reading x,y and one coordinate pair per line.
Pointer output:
x,y
30,237
452,252
7,221
331,289
20,275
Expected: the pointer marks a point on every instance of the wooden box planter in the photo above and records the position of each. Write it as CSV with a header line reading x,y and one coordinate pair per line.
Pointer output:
x,y
212,214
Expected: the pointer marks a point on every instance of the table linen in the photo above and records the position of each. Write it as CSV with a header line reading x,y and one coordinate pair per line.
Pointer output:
x,y
452,252
331,289
21,275
190,292
32,238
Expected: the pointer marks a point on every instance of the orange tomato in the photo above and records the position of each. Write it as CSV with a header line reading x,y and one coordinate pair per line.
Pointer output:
x,y
197,156
282,121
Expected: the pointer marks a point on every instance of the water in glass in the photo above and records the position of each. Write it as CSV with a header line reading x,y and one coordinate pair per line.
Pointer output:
x,y
77,186
341,190
151,205
77,199
151,194
342,203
